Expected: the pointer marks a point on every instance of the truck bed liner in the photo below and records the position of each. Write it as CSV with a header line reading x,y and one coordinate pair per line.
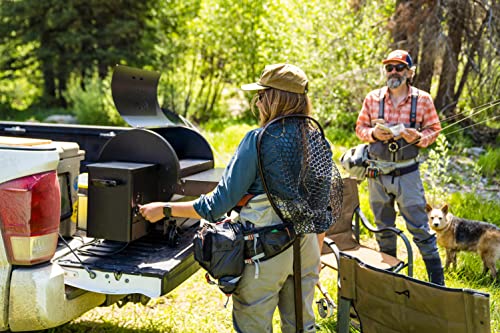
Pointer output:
x,y
125,267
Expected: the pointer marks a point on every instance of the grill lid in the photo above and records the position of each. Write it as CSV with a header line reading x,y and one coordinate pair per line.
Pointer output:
x,y
135,96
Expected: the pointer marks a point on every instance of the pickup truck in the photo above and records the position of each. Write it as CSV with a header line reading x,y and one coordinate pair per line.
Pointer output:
x,y
56,261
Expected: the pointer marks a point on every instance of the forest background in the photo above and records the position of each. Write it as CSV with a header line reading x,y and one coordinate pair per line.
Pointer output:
x,y
57,58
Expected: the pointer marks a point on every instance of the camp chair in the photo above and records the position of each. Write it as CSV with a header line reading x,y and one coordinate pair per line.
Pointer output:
x,y
343,237
389,302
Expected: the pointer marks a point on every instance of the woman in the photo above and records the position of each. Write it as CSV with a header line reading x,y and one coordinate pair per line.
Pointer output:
x,y
281,90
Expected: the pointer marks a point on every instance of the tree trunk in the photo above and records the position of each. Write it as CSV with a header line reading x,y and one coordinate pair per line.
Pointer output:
x,y
430,37
415,27
445,100
48,72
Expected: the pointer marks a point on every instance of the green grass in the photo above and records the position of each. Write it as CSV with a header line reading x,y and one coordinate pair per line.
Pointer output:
x,y
195,306
490,162
225,141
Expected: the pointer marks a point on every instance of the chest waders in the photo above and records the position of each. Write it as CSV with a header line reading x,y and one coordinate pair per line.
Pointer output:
x,y
301,182
395,150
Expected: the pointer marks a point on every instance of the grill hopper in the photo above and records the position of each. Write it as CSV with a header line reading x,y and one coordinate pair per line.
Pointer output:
x,y
183,158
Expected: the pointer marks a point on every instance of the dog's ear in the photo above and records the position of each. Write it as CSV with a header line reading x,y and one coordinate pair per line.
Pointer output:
x,y
444,209
428,207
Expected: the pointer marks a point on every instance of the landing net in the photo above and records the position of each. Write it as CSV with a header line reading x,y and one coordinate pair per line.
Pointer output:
x,y
301,181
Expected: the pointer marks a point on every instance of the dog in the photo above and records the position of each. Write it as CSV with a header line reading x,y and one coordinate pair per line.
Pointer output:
x,y
458,234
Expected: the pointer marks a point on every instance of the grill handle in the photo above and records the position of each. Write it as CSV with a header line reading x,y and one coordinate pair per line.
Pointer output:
x,y
105,182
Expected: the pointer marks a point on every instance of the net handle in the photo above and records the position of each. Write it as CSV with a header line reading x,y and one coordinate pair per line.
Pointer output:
x,y
259,160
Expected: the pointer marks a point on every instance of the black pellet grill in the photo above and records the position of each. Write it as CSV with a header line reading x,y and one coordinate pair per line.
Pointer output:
x,y
144,164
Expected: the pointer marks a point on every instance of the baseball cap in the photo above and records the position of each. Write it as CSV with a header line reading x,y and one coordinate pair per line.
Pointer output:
x,y
284,77
399,56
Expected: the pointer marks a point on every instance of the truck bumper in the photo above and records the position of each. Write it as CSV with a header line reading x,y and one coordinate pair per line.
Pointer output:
x,y
38,299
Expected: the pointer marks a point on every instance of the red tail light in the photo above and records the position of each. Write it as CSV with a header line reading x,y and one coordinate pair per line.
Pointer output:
x,y
30,209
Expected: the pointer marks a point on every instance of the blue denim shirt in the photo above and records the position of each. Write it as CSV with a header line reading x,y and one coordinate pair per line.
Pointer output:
x,y
240,177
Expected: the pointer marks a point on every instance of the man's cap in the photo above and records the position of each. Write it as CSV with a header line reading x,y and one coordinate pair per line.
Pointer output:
x,y
399,56
284,77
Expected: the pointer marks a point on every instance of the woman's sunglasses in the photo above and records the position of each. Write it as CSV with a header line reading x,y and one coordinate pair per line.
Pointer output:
x,y
399,67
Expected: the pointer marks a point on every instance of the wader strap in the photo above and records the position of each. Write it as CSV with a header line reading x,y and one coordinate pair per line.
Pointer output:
x,y
297,281
381,105
413,112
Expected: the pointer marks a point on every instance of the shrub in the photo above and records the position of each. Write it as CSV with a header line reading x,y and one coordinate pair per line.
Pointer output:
x,y
92,102
436,168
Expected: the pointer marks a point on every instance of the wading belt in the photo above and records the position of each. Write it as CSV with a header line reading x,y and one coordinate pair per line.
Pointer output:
x,y
263,243
403,171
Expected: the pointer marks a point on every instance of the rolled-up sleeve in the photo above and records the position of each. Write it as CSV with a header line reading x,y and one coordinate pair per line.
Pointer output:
x,y
364,128
238,177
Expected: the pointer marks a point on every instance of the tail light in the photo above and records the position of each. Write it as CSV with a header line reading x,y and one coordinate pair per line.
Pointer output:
x,y
30,209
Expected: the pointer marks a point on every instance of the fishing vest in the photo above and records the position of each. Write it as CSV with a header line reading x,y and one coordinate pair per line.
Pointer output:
x,y
392,150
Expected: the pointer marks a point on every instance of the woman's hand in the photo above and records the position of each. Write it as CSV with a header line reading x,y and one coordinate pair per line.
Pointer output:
x,y
153,211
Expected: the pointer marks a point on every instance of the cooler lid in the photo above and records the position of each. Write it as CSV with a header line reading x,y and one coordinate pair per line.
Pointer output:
x,y
135,96
19,141
68,149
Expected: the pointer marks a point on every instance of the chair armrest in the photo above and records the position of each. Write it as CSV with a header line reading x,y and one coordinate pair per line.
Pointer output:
x,y
335,250
397,231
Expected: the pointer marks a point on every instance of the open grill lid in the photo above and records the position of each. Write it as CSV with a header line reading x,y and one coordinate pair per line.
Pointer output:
x,y
184,157
134,93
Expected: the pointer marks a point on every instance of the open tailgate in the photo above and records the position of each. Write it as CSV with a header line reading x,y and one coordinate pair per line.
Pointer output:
x,y
148,265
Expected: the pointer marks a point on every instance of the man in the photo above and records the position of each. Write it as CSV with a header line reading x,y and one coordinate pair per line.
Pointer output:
x,y
396,121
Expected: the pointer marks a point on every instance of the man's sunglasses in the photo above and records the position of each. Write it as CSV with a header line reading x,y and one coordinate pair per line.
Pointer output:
x,y
399,67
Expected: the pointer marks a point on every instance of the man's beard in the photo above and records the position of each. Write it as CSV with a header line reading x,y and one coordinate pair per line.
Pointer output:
x,y
395,80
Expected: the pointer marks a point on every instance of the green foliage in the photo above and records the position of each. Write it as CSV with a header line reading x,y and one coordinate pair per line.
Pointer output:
x,y
436,167
206,49
59,39
19,87
490,162
340,135
91,101
457,137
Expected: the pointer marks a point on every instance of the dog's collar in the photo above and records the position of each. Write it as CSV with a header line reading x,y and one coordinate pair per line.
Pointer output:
x,y
448,225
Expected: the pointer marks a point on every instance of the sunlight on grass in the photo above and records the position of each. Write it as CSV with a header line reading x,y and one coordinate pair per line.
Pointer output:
x,y
225,142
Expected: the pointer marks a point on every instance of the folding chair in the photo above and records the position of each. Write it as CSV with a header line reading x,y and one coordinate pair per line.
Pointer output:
x,y
343,237
389,302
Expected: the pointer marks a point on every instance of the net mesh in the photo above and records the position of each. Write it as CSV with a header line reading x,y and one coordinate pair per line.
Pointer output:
x,y
301,181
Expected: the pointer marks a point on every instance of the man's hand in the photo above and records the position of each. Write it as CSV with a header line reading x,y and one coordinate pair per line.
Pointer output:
x,y
153,211
411,135
382,134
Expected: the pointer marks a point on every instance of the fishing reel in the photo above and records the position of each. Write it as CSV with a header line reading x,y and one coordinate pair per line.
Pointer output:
x,y
325,307
372,171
